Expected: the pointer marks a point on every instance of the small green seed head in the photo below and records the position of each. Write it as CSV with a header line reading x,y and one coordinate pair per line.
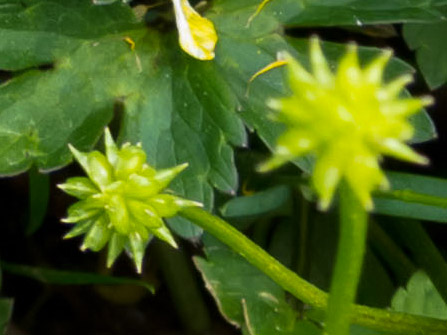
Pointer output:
x,y
121,202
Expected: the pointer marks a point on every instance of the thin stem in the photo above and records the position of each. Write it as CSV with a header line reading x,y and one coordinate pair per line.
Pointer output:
x,y
399,263
304,231
179,278
397,323
348,265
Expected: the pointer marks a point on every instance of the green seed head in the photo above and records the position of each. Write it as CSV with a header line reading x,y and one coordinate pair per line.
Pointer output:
x,y
348,120
121,202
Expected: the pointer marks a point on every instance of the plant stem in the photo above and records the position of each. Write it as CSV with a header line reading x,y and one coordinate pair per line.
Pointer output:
x,y
397,323
377,319
183,288
286,278
348,265
303,236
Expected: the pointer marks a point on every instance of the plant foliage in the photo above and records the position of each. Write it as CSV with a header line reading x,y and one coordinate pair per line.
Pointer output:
x,y
70,68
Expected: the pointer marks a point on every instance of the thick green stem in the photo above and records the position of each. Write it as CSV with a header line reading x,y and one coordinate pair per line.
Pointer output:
x,y
303,290
348,265
397,323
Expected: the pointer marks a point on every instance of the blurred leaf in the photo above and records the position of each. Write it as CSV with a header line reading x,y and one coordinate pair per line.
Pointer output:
x,y
106,2
6,306
418,245
420,297
259,204
61,277
421,197
428,42
389,251
284,241
360,12
181,281
247,297
359,330
5,313
39,193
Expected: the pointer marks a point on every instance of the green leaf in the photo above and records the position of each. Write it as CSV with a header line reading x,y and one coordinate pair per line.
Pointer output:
x,y
417,197
245,296
241,52
420,298
179,108
37,32
6,306
357,12
428,42
37,127
104,2
184,288
259,204
61,277
413,238
39,193
359,330
188,116
286,239
5,313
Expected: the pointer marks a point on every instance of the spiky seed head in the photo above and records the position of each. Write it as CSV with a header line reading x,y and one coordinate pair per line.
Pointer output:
x,y
122,201
348,119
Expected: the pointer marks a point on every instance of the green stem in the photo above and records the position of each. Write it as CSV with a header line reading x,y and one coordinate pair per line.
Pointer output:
x,y
286,278
397,323
413,197
377,319
348,265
